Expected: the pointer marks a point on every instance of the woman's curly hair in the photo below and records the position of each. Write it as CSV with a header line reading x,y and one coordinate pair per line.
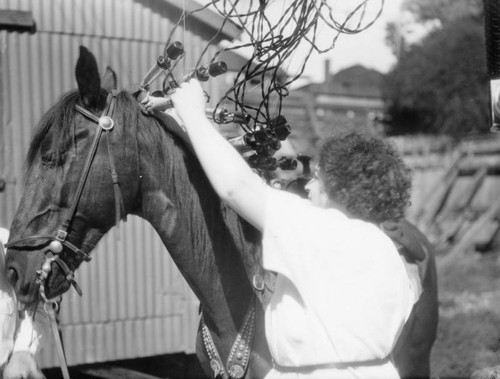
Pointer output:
x,y
366,175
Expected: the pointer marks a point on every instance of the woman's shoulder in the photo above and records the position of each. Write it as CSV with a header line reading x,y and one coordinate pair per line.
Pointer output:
x,y
361,237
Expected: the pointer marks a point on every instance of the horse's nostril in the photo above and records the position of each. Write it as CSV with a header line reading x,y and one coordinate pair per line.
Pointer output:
x,y
12,276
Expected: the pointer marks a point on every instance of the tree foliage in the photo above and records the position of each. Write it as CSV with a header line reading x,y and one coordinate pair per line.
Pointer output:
x,y
444,11
440,84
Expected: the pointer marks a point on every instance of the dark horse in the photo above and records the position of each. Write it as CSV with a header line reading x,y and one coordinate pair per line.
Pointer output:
x,y
158,179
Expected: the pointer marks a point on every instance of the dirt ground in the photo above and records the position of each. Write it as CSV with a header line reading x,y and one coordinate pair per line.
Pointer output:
x,y
469,326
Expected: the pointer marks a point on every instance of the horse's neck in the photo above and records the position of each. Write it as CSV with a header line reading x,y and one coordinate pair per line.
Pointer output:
x,y
203,238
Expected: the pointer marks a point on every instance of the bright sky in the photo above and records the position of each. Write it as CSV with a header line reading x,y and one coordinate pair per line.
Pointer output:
x,y
367,48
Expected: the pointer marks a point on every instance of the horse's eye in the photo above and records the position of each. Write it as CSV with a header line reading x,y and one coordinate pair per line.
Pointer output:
x,y
53,159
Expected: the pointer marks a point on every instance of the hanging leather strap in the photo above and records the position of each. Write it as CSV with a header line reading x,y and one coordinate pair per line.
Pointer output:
x,y
51,310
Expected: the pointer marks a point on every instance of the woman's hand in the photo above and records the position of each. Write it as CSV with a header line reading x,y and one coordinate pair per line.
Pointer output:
x,y
151,104
189,101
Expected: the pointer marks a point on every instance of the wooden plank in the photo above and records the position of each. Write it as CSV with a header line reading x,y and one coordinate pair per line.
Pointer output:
x,y
472,163
450,221
477,182
18,21
114,372
427,211
438,194
484,222
485,235
436,200
450,229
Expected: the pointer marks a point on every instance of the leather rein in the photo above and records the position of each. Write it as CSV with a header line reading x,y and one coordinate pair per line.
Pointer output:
x,y
58,241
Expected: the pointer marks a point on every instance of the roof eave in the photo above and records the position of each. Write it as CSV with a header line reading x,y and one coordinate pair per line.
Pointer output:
x,y
17,21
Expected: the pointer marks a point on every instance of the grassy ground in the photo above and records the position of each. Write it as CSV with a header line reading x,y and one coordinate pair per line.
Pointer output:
x,y
469,327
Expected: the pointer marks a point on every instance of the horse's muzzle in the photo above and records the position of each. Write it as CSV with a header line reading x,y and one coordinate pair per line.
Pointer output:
x,y
26,290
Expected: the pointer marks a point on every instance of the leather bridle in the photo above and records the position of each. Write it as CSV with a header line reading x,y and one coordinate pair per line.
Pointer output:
x,y
239,357
59,240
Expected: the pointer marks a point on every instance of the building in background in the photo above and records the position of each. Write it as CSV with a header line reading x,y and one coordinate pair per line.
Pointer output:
x,y
349,99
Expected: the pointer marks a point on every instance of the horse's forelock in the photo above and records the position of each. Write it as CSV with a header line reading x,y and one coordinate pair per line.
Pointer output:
x,y
56,122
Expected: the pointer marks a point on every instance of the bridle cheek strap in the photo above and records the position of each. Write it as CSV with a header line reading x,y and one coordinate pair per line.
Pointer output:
x,y
119,206
104,123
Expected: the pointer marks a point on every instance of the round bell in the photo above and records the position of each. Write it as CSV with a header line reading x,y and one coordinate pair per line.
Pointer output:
x,y
56,247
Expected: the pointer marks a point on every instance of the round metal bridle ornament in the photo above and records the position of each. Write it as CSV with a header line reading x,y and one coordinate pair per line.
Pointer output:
x,y
106,122
56,247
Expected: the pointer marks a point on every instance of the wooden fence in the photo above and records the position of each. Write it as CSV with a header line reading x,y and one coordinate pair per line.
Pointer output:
x,y
456,187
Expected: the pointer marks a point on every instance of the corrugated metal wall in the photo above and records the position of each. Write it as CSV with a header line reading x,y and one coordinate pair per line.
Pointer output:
x,y
135,302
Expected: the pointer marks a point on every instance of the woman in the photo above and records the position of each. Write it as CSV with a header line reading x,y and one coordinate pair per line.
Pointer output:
x,y
19,338
342,294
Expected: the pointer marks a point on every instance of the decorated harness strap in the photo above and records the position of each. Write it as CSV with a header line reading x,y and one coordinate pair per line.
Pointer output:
x,y
239,356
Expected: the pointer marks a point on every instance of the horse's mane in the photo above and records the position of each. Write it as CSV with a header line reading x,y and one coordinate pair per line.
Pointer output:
x,y
54,120
59,123
189,185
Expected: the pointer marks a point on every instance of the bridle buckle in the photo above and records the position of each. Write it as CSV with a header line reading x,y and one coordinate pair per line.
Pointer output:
x,y
61,235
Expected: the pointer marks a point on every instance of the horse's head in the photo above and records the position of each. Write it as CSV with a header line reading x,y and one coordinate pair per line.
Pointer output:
x,y
82,176
73,193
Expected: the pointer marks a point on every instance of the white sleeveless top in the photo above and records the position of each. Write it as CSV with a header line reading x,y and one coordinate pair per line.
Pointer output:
x,y
342,295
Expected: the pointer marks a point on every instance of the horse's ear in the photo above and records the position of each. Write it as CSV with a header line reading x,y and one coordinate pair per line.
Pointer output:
x,y
109,81
87,77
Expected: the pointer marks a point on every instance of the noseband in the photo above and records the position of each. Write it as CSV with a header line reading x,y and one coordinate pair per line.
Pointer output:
x,y
58,241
